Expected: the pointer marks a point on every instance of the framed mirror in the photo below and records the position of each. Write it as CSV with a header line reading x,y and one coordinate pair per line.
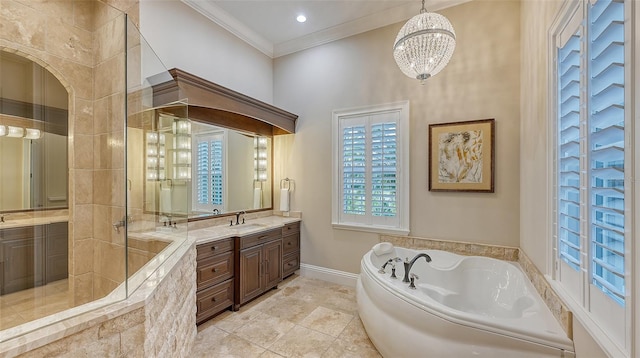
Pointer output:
x,y
220,170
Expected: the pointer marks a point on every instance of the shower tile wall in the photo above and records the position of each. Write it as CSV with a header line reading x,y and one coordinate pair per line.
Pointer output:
x,y
82,44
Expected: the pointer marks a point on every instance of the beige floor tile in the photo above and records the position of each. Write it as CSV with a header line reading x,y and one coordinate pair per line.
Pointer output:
x,y
213,342
264,330
290,308
302,342
231,322
10,318
321,310
342,348
327,321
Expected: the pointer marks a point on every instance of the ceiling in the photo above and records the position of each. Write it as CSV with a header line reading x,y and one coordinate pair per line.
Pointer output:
x,y
271,27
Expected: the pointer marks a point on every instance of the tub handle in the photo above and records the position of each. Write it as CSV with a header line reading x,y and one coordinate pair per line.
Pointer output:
x,y
413,277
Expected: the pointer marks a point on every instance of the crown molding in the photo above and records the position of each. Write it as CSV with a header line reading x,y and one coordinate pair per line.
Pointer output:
x,y
357,26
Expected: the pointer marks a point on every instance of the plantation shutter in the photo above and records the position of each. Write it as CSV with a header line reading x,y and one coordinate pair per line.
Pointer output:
x,y
383,169
569,151
606,145
354,170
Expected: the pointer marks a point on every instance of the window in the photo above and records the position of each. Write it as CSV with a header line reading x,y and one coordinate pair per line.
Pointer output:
x,y
209,193
371,169
591,228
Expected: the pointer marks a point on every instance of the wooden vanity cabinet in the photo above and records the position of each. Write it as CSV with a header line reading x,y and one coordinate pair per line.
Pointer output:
x,y
56,252
259,264
290,249
33,256
214,275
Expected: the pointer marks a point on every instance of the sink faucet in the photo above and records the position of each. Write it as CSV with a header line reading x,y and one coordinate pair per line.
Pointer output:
x,y
1,218
238,217
409,264
216,212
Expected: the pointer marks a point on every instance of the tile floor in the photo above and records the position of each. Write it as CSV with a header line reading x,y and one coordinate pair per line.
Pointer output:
x,y
302,318
27,305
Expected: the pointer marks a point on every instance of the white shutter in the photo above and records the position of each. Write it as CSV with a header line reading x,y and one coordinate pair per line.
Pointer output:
x,y
606,146
569,152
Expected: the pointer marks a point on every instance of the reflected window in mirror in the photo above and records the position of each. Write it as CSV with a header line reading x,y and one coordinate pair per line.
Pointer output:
x,y
209,183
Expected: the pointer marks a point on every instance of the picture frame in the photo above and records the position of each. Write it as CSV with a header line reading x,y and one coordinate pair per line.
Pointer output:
x,y
462,156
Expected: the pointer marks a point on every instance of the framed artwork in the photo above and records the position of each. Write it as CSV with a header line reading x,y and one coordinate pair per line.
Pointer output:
x,y
461,156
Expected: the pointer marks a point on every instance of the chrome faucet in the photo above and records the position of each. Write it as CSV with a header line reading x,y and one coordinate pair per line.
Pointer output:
x,y
216,212
390,261
125,219
409,264
413,277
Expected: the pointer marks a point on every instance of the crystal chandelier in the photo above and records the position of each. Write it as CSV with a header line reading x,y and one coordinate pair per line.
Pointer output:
x,y
424,45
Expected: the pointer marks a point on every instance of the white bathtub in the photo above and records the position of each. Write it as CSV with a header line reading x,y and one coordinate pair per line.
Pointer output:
x,y
463,306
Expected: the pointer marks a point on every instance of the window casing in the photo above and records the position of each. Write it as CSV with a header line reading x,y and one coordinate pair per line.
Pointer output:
x,y
371,169
593,163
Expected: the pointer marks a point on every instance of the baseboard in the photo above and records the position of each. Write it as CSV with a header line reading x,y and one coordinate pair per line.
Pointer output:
x,y
330,275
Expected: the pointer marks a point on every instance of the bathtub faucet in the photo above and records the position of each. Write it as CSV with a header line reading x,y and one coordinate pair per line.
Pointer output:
x,y
409,264
390,261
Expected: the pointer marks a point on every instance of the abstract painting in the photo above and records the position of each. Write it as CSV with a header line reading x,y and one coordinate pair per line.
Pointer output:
x,y
461,156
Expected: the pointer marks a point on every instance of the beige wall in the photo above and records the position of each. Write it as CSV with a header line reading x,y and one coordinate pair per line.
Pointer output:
x,y
185,39
481,81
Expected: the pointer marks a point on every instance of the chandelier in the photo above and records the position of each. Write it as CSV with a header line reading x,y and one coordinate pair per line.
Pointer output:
x,y
424,45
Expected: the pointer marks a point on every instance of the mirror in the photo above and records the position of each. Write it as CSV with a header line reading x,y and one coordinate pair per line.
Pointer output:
x,y
220,170
33,136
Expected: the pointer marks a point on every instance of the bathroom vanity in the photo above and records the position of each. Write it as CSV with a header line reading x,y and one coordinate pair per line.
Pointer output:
x,y
32,256
234,266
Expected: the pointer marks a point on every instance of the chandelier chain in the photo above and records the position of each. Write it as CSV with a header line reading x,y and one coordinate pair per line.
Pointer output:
x,y
423,10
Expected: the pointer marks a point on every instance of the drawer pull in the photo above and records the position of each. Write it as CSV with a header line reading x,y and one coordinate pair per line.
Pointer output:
x,y
214,269
214,248
213,299
263,237
289,243
289,264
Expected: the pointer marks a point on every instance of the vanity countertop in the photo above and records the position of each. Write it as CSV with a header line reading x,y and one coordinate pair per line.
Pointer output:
x,y
215,233
12,223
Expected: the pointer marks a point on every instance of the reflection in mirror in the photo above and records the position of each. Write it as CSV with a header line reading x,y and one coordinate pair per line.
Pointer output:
x,y
34,172
33,136
220,170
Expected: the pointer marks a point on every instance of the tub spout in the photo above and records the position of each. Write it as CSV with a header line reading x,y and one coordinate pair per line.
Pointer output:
x,y
409,264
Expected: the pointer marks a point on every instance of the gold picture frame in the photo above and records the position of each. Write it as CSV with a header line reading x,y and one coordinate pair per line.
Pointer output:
x,y
462,156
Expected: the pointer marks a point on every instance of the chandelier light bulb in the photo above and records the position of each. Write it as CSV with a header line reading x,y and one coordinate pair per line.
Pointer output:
x,y
424,45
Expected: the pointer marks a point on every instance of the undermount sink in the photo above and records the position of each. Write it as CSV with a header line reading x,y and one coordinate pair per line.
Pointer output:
x,y
249,227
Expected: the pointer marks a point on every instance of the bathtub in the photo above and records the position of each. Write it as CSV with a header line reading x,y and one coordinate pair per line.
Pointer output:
x,y
463,306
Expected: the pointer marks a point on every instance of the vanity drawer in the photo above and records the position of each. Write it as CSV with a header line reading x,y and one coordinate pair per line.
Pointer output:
x,y
259,238
214,248
290,263
213,300
215,269
291,228
290,243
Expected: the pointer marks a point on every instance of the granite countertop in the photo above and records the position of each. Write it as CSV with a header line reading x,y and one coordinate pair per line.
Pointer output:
x,y
215,233
12,223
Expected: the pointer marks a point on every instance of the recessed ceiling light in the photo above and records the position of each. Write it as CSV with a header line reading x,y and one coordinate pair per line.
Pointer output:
x,y
301,18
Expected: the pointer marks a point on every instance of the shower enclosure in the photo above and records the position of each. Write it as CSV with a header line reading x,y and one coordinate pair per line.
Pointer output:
x,y
81,158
